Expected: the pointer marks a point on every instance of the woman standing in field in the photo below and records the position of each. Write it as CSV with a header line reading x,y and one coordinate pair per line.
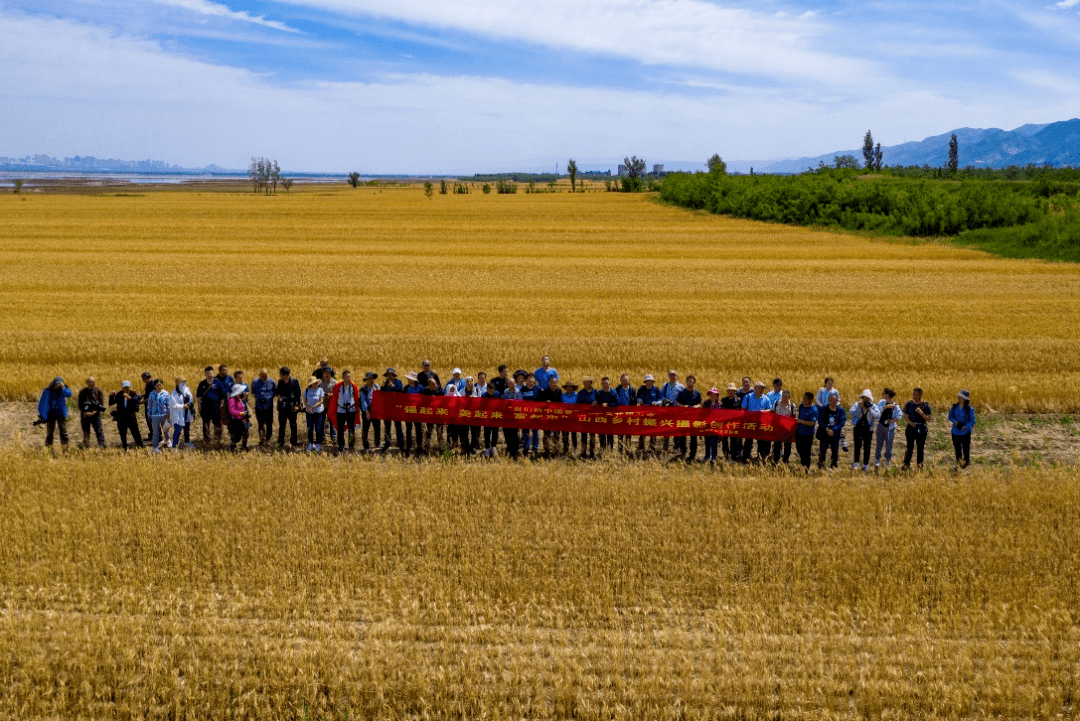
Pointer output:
x,y
366,395
732,447
157,409
346,404
888,417
831,419
864,416
783,407
181,405
962,418
315,414
239,423
804,432
711,442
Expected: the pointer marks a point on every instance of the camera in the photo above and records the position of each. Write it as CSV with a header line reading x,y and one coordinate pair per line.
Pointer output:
x,y
39,422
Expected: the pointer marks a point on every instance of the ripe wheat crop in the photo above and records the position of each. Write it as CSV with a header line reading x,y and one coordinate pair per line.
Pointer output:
x,y
604,282
284,587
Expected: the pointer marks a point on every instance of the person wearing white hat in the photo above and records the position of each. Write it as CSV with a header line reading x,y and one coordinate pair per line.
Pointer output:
x,y
648,395
126,415
962,418
181,412
238,416
315,401
457,381
863,416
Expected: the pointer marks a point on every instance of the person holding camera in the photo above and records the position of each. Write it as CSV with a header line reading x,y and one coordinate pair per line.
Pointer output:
x,y
289,402
238,416
91,403
888,416
831,420
962,418
864,415
52,410
315,400
917,413
126,414
181,412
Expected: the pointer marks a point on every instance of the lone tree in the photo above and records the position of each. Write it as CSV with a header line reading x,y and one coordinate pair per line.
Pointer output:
x,y
877,156
848,162
954,154
868,150
716,164
428,189
635,168
571,169
354,179
18,187
287,184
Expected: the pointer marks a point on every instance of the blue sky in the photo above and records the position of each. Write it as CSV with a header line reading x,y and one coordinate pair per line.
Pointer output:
x,y
409,86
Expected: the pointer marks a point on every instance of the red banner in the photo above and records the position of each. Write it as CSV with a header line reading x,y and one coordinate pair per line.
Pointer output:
x,y
621,421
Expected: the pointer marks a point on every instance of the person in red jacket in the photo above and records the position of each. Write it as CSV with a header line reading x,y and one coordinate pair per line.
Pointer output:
x,y
344,410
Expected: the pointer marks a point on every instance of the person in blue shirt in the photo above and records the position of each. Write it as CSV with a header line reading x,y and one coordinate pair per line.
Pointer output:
x,y
822,400
606,398
512,393
627,396
530,437
52,409
962,418
757,402
648,395
569,440
804,431
776,392
670,391
263,390
587,397
689,397
712,443
831,419
544,373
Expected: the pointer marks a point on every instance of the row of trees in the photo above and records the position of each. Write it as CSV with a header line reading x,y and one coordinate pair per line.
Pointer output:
x,y
265,175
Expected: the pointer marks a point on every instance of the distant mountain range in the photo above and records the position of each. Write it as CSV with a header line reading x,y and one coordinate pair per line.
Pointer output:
x,y
90,164
1054,143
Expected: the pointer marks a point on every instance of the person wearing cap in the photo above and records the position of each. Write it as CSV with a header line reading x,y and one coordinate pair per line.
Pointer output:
x,y
455,380
962,420
804,431
670,391
315,414
756,402
263,390
544,372
126,415
181,412
324,365
733,446
551,394
91,403
491,433
831,419
689,397
783,407
366,394
238,415
413,428
917,414
587,397
52,409
648,395
569,438
864,416
391,384
157,407
606,398
289,401
327,385
512,393
711,443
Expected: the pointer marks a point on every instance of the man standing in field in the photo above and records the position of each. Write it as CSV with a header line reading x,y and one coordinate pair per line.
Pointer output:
x,y
210,394
917,413
422,379
757,402
501,380
670,391
606,398
544,372
326,382
626,396
148,388
648,395
91,403
289,403
52,409
689,397
263,389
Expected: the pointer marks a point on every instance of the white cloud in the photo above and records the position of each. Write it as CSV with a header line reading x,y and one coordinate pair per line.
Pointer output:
x,y
205,7
1068,3
685,33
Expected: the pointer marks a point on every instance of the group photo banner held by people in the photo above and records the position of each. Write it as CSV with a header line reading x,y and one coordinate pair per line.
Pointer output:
x,y
626,421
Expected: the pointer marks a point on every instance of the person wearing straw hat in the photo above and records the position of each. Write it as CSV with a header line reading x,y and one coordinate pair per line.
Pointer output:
x,y
863,416
52,410
712,443
315,414
732,447
391,384
917,413
962,418
783,407
366,394
569,438
648,395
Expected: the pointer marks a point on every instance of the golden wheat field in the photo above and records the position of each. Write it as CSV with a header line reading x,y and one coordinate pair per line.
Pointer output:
x,y
205,585
604,282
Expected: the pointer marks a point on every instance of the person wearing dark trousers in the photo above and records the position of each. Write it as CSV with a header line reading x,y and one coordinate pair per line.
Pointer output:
x,y
315,402
326,375
423,378
366,394
262,390
551,394
289,402
627,397
962,420
345,407
470,435
569,438
711,443
91,404
648,395
587,397
52,409
804,431
781,450
606,398
864,417
413,428
917,414
491,433
226,382
391,384
208,394
670,391
689,397
148,388
512,393
126,414
433,389
732,447
889,413
831,419
757,402
530,437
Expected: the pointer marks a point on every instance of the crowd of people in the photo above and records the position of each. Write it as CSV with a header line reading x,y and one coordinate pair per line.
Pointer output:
x,y
340,408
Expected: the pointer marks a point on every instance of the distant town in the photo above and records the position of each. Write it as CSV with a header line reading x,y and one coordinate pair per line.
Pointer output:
x,y
90,164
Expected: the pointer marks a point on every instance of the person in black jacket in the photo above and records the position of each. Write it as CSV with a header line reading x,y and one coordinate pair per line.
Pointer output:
x,y
689,397
551,394
126,415
731,402
587,397
392,385
422,379
289,403
606,398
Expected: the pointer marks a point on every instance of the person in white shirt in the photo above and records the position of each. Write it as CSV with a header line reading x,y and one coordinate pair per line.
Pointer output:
x,y
315,408
181,403
863,417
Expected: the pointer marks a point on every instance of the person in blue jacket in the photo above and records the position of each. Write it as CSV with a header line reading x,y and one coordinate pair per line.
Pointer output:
x,y
804,431
587,397
648,394
831,419
962,418
757,402
52,410
569,439
689,397
391,384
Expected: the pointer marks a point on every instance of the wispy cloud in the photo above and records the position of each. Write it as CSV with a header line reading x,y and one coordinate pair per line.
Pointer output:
x,y
205,7
1068,3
